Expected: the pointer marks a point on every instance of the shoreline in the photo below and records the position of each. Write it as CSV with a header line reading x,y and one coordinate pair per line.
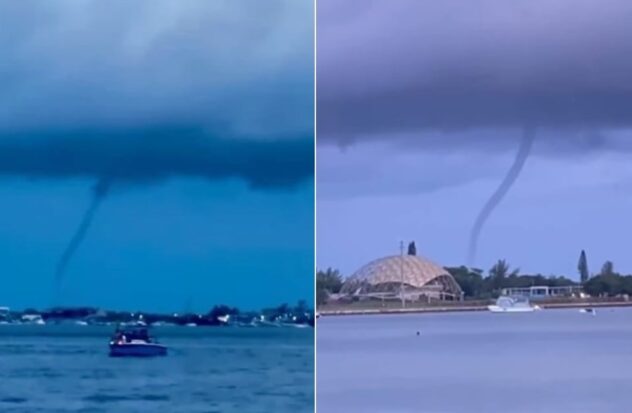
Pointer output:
x,y
464,308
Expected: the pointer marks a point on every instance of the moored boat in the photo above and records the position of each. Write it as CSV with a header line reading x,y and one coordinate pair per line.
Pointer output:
x,y
135,342
512,305
588,311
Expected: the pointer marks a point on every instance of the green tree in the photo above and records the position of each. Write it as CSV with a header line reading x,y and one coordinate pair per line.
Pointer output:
x,y
301,307
329,280
283,309
582,266
469,279
607,269
609,284
321,296
499,270
626,285
499,273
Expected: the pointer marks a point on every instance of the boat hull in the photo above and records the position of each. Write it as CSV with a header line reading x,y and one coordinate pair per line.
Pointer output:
x,y
137,350
498,309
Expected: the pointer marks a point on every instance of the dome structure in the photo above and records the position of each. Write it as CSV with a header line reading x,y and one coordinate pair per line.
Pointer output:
x,y
410,275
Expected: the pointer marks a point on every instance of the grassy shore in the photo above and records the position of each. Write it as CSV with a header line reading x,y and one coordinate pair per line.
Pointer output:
x,y
376,307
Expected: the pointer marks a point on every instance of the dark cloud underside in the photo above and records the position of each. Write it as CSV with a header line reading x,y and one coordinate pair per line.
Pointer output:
x,y
414,65
146,156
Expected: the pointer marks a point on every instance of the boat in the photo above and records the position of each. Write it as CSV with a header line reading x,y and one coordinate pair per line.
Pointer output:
x,y
33,319
134,323
588,311
135,342
512,305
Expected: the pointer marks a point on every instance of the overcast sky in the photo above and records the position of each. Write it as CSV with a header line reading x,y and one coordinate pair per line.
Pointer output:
x,y
421,109
198,114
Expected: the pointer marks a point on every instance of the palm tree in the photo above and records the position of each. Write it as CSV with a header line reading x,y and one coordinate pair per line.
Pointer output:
x,y
500,271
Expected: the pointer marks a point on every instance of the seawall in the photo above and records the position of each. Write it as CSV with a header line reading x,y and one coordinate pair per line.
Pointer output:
x,y
341,311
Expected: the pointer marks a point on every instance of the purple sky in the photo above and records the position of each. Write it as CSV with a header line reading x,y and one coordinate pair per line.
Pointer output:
x,y
421,105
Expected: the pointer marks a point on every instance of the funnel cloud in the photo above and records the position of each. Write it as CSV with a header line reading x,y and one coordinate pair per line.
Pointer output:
x,y
418,99
218,94
502,190
137,158
99,192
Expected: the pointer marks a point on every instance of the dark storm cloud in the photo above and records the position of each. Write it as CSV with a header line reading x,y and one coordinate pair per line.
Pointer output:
x,y
86,88
454,66
83,86
145,156
247,64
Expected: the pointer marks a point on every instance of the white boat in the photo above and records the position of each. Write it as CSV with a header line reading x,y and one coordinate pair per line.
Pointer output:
x,y
512,305
135,342
33,319
588,311
224,318
162,324
135,323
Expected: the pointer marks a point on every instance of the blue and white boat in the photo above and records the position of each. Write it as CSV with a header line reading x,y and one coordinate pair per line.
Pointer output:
x,y
135,342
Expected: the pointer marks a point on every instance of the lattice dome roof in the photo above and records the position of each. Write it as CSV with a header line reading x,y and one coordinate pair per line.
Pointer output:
x,y
417,272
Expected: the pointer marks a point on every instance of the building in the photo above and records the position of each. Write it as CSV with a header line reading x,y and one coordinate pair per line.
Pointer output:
x,y
543,292
407,277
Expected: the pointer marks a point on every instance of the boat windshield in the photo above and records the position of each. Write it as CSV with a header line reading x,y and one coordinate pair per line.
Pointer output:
x,y
128,335
505,302
511,301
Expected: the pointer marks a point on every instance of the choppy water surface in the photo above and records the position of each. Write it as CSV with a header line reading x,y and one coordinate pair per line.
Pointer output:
x,y
549,361
66,369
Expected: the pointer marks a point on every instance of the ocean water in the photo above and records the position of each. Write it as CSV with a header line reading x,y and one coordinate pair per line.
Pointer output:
x,y
554,361
66,369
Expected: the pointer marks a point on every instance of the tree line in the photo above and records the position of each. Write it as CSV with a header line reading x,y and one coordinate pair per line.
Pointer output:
x,y
476,284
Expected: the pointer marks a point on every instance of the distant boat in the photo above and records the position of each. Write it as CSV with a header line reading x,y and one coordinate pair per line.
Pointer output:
x,y
135,342
512,305
588,311
162,324
134,323
33,319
